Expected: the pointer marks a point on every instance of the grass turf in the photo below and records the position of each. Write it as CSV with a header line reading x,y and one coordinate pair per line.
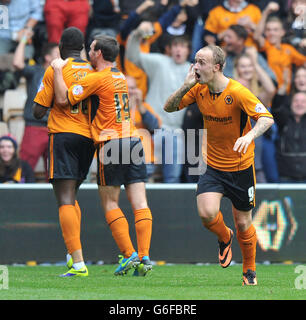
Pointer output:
x,y
168,282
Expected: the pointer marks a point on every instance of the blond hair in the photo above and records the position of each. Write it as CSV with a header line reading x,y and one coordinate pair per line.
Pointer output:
x,y
254,85
218,55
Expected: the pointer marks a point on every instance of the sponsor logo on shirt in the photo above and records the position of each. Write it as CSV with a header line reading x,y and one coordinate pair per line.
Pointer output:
x,y
224,120
260,108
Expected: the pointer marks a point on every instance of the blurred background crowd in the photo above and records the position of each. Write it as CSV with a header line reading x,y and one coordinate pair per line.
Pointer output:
x,y
265,45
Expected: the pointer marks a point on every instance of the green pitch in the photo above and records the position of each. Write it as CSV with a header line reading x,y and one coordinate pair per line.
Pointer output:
x,y
170,282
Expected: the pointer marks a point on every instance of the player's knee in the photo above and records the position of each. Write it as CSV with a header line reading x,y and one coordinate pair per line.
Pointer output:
x,y
243,224
109,205
137,200
139,204
66,201
65,198
207,214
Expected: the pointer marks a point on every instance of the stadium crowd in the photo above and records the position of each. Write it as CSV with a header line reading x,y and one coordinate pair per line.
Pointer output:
x,y
265,45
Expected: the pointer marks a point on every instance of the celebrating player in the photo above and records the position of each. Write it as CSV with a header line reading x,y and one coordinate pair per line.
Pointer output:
x,y
71,148
226,106
116,140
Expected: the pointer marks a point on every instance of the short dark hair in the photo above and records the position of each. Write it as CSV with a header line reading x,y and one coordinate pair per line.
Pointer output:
x,y
47,49
109,47
240,31
180,39
72,39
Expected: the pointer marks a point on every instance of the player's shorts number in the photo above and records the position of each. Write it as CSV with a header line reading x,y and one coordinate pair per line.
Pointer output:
x,y
251,194
122,107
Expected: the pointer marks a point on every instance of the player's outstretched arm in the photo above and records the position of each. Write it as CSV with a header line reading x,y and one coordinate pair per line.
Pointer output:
x,y
261,126
60,88
173,102
259,30
133,52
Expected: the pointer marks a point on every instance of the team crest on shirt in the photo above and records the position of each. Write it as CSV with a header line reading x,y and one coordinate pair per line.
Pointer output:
x,y
77,90
260,108
228,99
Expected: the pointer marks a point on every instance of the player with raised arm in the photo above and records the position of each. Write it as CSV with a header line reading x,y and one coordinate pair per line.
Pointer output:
x,y
116,139
71,148
226,106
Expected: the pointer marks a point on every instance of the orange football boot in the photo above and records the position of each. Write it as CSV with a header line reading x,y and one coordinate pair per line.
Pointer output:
x,y
225,251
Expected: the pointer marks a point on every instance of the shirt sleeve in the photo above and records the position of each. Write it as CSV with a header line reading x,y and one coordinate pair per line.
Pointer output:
x,y
297,58
85,87
45,93
211,23
36,10
251,105
256,13
188,99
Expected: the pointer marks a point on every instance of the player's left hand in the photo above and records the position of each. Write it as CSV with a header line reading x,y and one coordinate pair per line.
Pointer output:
x,y
59,63
243,143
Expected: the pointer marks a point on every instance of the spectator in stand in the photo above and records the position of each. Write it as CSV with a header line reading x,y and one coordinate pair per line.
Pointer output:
x,y
299,81
183,23
165,75
295,25
144,117
198,31
129,24
284,6
271,137
234,45
291,144
145,13
231,12
193,119
105,19
127,6
35,138
23,16
269,155
249,73
63,14
13,169
280,56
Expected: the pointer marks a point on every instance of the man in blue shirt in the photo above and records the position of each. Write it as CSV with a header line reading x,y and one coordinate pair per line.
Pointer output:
x,y
23,16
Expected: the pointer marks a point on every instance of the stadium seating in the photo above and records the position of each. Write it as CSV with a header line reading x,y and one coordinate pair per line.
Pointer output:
x,y
3,128
16,127
13,106
39,172
13,103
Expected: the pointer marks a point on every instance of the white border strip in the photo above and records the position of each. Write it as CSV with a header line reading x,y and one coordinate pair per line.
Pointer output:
x,y
152,186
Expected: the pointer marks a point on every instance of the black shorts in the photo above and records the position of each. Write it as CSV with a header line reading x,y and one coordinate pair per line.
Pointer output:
x,y
70,156
238,186
121,162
